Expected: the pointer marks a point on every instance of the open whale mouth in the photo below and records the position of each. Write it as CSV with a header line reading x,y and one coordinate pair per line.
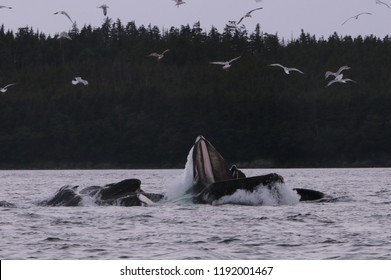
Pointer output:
x,y
208,165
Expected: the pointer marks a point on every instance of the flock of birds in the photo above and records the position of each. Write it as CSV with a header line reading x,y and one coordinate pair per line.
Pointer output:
x,y
226,65
62,35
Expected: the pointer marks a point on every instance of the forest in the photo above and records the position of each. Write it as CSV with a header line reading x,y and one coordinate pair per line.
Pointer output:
x,y
141,112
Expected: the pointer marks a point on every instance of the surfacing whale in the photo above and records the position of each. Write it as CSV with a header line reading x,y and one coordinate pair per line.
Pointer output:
x,y
124,193
213,179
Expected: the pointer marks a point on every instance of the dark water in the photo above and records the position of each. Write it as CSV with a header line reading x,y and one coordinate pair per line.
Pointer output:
x,y
356,224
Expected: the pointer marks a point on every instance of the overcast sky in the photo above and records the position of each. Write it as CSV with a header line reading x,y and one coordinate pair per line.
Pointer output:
x,y
285,17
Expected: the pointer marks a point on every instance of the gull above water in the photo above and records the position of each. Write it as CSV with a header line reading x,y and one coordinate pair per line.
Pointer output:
x,y
5,7
226,64
382,3
64,35
4,89
159,56
287,70
248,14
179,2
355,17
335,74
104,7
65,14
339,79
79,80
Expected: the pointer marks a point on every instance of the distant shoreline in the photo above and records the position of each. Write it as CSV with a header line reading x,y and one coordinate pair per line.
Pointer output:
x,y
250,165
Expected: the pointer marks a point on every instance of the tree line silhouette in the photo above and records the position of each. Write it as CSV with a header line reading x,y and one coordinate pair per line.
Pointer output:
x,y
138,112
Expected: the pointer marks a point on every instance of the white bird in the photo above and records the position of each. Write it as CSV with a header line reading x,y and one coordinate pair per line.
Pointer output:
x,y
4,89
335,74
158,55
287,70
231,24
65,14
355,17
64,35
104,7
179,2
79,80
5,7
382,3
226,64
248,15
339,79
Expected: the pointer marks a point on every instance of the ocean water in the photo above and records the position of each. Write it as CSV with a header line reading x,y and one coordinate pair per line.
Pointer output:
x,y
354,223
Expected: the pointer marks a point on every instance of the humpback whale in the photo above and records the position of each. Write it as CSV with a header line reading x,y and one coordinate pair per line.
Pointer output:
x,y
124,193
213,178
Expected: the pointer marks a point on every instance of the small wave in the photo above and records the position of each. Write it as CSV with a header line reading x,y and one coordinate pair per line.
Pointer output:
x,y
53,239
7,204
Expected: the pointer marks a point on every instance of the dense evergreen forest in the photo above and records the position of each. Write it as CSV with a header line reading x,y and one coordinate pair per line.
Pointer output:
x,y
140,112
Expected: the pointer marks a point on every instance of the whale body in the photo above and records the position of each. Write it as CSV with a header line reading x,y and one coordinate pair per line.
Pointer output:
x,y
124,193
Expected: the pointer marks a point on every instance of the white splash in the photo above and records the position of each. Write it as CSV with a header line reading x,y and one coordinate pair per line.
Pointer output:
x,y
280,194
182,184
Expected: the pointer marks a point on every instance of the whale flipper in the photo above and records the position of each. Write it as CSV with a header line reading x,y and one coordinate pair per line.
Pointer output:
x,y
309,195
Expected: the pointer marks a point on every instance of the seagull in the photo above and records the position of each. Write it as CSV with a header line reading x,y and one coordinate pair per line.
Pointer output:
x,y
226,64
4,89
335,74
5,7
65,14
248,14
104,7
64,35
382,3
158,55
355,17
286,69
339,79
179,2
79,80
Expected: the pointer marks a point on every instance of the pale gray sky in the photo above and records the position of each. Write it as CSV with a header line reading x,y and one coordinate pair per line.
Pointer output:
x,y
285,17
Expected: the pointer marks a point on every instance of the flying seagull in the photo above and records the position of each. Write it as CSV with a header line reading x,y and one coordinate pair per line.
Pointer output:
x,y
5,7
65,14
248,14
79,80
158,55
4,89
382,3
335,74
355,17
64,35
287,70
226,64
339,79
104,7
179,2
